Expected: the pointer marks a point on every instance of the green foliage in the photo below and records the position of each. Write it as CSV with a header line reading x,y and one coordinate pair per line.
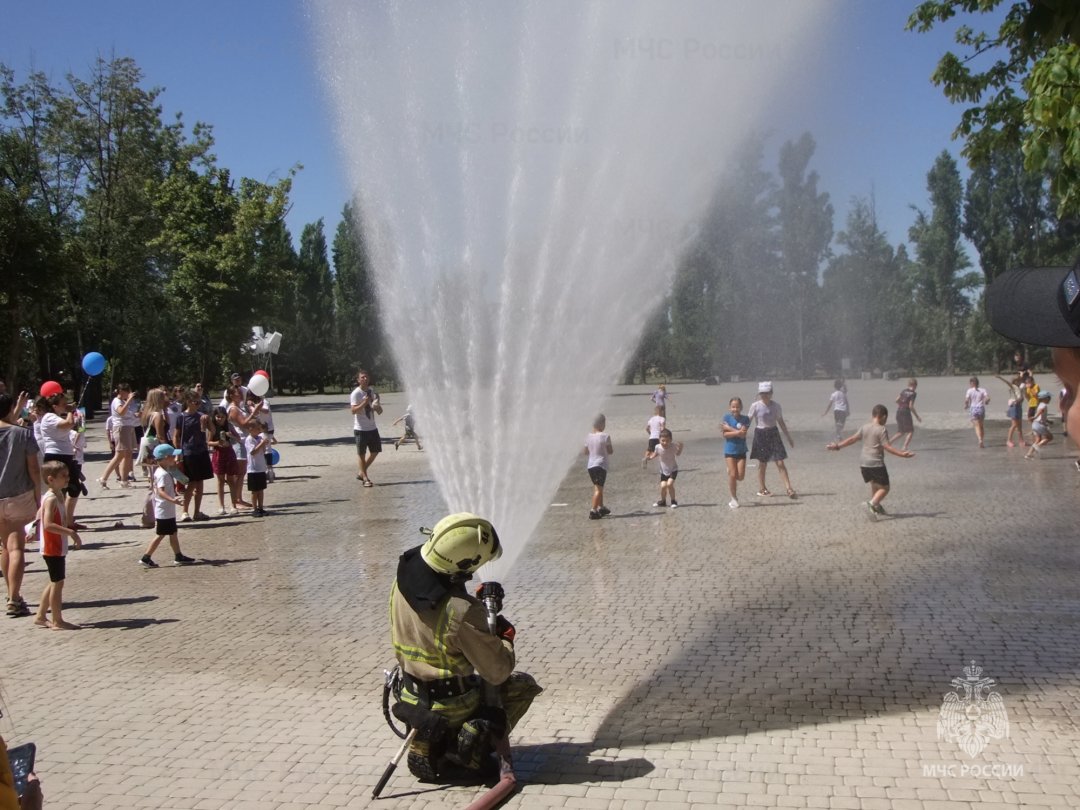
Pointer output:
x,y
864,297
360,341
805,220
123,235
1027,92
941,286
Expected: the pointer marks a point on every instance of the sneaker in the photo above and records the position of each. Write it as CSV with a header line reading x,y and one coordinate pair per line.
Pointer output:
x,y
1077,464
733,503
180,559
259,513
604,511
873,511
200,516
659,504
644,463
222,512
880,509
185,518
146,562
674,504
594,515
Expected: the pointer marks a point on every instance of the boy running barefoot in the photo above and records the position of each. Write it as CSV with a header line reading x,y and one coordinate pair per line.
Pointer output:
x,y
53,533
875,439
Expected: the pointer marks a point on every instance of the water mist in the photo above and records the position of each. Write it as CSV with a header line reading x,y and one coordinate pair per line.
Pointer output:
x,y
528,174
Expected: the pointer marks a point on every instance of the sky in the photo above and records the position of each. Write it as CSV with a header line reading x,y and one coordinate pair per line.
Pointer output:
x,y
250,69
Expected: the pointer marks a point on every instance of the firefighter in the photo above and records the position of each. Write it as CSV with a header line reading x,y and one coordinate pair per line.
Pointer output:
x,y
446,651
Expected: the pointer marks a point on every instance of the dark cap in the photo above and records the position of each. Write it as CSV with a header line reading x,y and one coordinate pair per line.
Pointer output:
x,y
1037,305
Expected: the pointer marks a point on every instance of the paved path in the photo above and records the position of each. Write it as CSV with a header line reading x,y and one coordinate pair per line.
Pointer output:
x,y
787,654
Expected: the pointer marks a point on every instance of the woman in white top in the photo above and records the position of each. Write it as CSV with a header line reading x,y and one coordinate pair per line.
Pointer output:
x,y
56,425
122,412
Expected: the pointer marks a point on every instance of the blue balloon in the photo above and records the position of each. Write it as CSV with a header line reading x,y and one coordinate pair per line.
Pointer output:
x,y
93,363
275,457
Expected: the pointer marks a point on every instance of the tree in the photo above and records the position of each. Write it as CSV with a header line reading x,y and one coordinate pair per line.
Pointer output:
x,y
864,296
313,325
805,220
359,329
1029,94
940,283
718,315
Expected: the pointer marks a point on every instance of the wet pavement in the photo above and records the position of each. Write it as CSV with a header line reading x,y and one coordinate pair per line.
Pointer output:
x,y
790,653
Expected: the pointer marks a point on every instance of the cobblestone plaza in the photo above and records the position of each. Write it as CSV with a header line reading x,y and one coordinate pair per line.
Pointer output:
x,y
790,653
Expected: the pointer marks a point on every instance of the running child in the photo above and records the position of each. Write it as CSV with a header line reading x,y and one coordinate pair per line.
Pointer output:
x,y
598,448
905,409
53,534
734,427
1040,425
410,428
875,443
668,452
838,404
165,503
656,423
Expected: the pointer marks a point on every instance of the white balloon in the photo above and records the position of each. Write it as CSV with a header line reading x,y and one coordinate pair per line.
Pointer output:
x,y
258,385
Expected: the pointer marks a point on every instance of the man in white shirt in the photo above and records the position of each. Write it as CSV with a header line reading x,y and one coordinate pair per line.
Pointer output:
x,y
364,404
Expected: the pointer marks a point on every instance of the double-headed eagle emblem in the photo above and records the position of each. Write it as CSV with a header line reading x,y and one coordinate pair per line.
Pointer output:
x,y
974,718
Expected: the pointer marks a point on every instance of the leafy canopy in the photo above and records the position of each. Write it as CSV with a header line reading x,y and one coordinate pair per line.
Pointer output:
x,y
1022,85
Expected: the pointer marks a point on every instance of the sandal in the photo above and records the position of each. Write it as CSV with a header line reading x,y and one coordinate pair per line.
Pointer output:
x,y
103,483
368,483
764,493
791,494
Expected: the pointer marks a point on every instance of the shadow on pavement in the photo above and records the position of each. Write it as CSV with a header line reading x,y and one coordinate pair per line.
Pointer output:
x,y
126,624
131,600
219,563
565,763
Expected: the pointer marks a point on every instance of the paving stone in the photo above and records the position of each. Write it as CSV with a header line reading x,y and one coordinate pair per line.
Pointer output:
x,y
785,654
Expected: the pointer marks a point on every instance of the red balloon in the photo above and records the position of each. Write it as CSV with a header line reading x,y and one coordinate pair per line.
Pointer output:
x,y
262,373
50,388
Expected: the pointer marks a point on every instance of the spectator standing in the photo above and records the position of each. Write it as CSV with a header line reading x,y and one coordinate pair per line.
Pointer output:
x,y
56,426
190,436
54,527
124,420
20,493
364,404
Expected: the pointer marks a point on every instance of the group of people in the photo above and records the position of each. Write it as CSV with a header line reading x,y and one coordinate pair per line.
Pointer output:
x,y
176,436
765,415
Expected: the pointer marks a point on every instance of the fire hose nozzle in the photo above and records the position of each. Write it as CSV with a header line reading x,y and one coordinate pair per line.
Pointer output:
x,y
492,595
